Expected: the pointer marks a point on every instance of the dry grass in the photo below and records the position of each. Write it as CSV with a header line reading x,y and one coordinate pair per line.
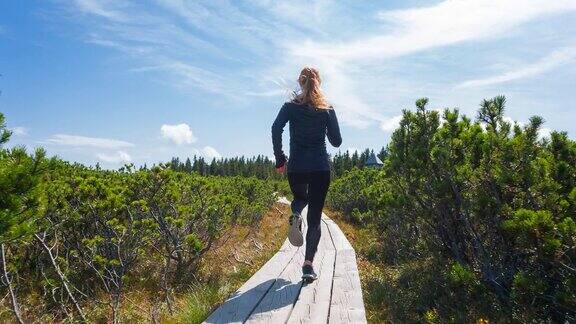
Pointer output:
x,y
411,291
232,260
245,246
237,255
364,240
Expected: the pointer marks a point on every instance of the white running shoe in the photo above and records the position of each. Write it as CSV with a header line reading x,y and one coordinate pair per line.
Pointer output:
x,y
295,233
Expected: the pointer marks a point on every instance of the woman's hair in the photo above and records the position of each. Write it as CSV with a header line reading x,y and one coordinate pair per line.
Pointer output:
x,y
311,94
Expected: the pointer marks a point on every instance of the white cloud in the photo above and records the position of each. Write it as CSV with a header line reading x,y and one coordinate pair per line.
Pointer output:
x,y
210,153
408,31
269,93
446,23
100,8
542,132
340,90
179,134
549,62
188,75
228,22
276,38
300,11
511,121
118,157
155,43
19,131
391,124
75,140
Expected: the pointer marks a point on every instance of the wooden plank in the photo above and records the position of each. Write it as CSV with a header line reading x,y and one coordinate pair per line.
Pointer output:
x,y
313,303
275,294
276,305
346,304
238,307
325,238
338,237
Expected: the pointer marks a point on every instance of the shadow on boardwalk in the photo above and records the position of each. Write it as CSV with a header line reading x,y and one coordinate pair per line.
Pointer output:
x,y
239,306
275,294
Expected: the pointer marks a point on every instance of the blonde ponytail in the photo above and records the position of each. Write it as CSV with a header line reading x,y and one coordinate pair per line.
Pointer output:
x,y
311,94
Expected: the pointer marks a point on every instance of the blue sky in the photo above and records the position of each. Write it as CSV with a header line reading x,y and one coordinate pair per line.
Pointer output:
x,y
142,81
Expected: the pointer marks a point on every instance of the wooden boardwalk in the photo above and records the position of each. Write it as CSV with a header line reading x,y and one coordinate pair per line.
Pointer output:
x,y
276,293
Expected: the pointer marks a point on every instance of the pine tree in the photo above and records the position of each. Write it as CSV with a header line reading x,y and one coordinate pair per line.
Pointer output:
x,y
20,176
188,166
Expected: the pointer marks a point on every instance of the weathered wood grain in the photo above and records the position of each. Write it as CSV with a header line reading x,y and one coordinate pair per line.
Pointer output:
x,y
238,307
338,237
313,303
326,238
277,304
276,293
346,305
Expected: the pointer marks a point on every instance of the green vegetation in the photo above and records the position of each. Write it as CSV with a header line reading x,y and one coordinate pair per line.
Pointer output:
x,y
262,167
467,221
76,240
344,161
259,166
470,220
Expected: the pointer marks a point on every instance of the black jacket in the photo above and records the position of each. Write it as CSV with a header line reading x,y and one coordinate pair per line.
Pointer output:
x,y
309,127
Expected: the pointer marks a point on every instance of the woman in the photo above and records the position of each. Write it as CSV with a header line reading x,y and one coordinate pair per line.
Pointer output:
x,y
311,120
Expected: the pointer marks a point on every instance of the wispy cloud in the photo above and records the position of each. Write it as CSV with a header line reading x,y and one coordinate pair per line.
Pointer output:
x,y
192,45
100,8
405,32
155,43
269,93
446,23
193,76
341,90
19,131
180,39
179,134
551,61
117,157
83,141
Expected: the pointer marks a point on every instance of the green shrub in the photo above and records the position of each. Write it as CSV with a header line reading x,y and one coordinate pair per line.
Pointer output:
x,y
76,234
491,199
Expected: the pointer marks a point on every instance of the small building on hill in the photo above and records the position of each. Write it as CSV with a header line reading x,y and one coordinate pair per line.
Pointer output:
x,y
373,161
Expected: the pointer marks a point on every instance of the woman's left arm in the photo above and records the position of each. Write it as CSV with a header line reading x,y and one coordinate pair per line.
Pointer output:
x,y
333,129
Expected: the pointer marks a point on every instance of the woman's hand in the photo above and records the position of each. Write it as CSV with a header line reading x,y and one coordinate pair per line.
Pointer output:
x,y
281,168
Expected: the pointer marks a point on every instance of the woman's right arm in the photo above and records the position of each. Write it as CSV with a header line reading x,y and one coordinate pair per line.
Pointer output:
x,y
277,130
333,129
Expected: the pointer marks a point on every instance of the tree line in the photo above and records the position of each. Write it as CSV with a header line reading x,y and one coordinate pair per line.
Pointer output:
x,y
259,166
262,167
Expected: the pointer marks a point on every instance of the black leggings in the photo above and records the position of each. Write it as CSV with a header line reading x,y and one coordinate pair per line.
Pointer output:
x,y
310,188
